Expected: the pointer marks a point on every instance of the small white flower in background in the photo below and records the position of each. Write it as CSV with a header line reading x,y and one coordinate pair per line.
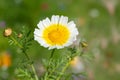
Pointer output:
x,y
94,13
56,33
77,65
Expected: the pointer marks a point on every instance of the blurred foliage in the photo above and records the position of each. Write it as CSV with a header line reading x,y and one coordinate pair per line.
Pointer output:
x,y
96,24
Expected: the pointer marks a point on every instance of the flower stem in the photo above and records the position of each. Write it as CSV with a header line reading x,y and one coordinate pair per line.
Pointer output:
x,y
52,53
36,77
63,70
31,64
16,42
50,59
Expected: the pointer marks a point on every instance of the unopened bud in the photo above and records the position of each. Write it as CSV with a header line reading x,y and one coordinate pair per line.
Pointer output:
x,y
19,35
84,44
7,32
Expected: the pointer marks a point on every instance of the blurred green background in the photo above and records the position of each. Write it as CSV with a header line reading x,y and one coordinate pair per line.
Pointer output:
x,y
98,22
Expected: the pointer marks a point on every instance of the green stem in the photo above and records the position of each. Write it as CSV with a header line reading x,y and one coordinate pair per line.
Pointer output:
x,y
26,55
32,66
16,42
63,70
65,67
36,77
50,59
52,53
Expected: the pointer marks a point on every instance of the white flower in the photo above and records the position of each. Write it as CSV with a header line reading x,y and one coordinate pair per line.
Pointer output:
x,y
56,33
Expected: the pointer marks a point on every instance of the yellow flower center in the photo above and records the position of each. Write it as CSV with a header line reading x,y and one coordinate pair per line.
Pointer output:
x,y
56,34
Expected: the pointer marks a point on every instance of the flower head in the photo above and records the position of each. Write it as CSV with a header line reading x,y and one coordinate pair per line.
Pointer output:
x,y
7,32
56,33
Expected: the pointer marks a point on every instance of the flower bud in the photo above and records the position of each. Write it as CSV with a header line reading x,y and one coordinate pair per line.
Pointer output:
x,y
19,35
84,44
7,32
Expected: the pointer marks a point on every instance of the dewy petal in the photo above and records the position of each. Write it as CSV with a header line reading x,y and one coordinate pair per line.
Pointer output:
x,y
55,19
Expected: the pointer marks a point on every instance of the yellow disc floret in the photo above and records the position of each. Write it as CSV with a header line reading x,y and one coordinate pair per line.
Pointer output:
x,y
56,34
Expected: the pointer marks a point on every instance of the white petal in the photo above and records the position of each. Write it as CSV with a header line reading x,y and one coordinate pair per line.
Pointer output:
x,y
71,24
72,28
52,47
55,19
40,25
63,20
41,41
37,38
68,43
59,47
46,22
37,32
